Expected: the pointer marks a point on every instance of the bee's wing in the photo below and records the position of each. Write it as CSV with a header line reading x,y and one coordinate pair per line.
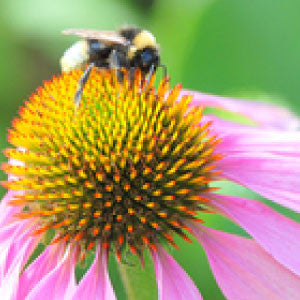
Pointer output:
x,y
105,36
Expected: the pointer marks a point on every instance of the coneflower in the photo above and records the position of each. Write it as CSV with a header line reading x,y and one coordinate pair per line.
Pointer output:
x,y
132,167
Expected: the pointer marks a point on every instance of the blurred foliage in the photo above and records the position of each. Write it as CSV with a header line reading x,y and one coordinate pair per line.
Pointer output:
x,y
249,49
146,5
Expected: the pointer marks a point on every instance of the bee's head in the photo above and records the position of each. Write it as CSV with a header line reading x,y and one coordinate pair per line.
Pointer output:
x,y
145,58
144,52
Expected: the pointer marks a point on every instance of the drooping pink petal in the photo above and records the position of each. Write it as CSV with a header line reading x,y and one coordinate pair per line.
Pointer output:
x,y
96,283
266,114
280,142
18,241
273,231
37,270
6,237
173,282
243,269
6,232
13,237
58,284
7,211
275,177
9,283
13,259
237,137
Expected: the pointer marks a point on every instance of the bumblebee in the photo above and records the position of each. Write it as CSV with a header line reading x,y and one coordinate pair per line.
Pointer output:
x,y
131,48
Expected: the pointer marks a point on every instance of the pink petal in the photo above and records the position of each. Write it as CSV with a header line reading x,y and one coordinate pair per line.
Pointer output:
x,y
7,211
9,283
13,238
273,231
7,234
16,246
266,114
58,284
275,177
45,263
173,282
238,137
243,269
95,284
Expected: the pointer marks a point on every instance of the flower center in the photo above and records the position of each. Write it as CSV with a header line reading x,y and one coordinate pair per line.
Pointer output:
x,y
126,168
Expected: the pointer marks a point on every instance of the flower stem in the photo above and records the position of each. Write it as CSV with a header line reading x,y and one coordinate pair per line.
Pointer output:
x,y
139,283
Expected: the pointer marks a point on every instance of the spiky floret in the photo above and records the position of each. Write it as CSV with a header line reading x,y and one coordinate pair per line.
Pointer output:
x,y
125,168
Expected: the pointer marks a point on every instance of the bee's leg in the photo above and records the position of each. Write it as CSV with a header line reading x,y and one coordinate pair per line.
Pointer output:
x,y
165,70
149,76
114,63
82,81
131,75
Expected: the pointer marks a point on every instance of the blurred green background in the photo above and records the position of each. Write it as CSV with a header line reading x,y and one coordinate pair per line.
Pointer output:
x,y
249,49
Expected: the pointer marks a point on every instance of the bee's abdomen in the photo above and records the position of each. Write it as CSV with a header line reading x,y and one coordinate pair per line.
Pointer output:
x,y
75,57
